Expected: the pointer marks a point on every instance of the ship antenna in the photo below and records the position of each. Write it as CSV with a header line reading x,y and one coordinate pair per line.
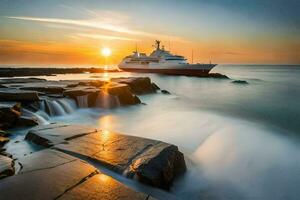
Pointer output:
x,y
157,44
169,44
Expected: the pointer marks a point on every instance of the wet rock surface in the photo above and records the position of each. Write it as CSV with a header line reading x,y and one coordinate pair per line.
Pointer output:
x,y
10,117
53,168
49,135
87,93
149,161
141,85
217,75
165,92
242,82
6,166
61,176
8,94
13,72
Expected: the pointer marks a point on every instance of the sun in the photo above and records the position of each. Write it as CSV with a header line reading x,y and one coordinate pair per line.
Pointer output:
x,y
105,51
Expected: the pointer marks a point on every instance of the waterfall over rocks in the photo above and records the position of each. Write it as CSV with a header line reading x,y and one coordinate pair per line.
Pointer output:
x,y
40,119
69,105
82,101
58,107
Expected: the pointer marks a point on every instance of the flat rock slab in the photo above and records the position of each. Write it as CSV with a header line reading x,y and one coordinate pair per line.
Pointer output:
x,y
101,187
49,174
149,161
8,94
49,135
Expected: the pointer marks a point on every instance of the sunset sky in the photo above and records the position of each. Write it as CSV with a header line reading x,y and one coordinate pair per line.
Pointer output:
x,y
74,32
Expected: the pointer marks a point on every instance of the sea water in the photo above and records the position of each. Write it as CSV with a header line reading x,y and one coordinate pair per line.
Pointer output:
x,y
241,141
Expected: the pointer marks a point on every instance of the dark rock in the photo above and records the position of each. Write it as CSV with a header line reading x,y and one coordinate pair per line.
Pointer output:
x,y
46,89
139,85
122,92
8,115
3,153
217,75
155,87
79,91
6,167
2,86
25,122
3,133
240,82
7,94
165,92
3,140
20,80
159,165
13,72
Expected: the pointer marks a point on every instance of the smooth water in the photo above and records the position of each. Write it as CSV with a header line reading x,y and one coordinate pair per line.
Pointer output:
x,y
241,141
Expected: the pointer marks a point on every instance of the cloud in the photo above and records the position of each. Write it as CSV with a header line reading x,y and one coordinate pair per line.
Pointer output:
x,y
105,37
108,22
84,23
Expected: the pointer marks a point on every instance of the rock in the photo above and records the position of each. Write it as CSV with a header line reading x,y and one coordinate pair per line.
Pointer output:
x,y
240,82
49,174
217,75
155,87
149,161
80,91
25,122
122,92
165,92
8,115
102,186
20,80
46,89
139,85
2,86
6,167
158,165
49,135
7,94
3,140
13,72
3,133
3,153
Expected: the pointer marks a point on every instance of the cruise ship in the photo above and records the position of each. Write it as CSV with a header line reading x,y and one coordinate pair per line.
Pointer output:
x,y
163,62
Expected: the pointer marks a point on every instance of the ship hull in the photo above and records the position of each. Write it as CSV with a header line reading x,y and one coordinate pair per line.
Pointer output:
x,y
172,71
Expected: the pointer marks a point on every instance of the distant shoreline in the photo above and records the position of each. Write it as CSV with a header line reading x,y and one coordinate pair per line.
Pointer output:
x,y
27,71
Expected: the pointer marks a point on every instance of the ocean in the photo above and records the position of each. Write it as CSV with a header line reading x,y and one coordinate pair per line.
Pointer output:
x,y
241,141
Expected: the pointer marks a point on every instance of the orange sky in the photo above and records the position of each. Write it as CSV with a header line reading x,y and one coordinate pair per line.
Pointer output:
x,y
75,35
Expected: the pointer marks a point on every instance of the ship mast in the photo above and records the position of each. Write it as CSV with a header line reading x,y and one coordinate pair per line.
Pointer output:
x,y
157,44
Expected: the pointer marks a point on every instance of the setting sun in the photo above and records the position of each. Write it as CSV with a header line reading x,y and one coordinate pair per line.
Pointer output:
x,y
105,51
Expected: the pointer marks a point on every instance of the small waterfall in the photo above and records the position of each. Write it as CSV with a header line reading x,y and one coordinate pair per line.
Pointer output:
x,y
69,105
105,100
58,107
40,119
82,101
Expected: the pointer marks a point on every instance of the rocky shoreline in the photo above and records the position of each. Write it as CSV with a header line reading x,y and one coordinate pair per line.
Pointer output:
x,y
15,72
61,167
